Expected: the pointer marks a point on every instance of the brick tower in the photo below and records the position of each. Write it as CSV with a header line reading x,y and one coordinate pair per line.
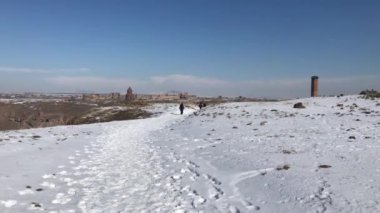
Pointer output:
x,y
314,86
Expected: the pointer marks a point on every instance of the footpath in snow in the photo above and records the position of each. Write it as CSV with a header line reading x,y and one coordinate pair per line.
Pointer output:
x,y
237,157
108,167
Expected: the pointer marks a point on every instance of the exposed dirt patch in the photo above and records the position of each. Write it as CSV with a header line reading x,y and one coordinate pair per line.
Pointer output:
x,y
111,115
46,114
283,167
324,166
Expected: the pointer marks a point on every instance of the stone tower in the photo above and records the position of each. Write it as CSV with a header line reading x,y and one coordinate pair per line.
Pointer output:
x,y
314,86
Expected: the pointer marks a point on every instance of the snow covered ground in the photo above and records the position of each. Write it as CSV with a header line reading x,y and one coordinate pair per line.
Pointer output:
x,y
237,157
29,100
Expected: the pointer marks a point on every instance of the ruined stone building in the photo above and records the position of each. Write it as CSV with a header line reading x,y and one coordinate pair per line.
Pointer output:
x,y
183,95
130,96
115,96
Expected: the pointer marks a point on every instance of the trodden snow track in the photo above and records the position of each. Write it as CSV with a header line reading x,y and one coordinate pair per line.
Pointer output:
x,y
118,170
124,173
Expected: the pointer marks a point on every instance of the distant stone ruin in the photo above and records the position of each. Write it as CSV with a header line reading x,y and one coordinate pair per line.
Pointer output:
x,y
184,95
93,97
130,96
115,96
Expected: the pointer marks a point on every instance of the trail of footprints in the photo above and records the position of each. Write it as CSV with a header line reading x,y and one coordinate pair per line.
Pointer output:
x,y
61,182
213,196
72,181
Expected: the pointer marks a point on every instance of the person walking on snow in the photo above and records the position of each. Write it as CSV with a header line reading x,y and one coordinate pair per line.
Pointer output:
x,y
181,108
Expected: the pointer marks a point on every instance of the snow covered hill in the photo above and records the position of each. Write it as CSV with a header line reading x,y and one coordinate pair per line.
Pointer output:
x,y
237,157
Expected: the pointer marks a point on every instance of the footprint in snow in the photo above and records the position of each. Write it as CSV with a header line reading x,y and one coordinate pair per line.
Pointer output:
x,y
26,192
47,184
61,198
176,177
63,172
67,180
8,203
199,201
72,191
46,176
214,193
35,205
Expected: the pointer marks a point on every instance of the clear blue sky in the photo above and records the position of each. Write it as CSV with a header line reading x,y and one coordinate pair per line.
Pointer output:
x,y
211,42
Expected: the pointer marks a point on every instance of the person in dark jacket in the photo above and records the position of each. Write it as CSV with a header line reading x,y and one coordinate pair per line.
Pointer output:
x,y
181,108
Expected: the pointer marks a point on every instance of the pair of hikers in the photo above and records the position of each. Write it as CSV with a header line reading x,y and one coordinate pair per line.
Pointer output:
x,y
182,107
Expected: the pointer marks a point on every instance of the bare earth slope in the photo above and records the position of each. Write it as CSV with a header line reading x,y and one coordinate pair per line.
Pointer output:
x,y
27,115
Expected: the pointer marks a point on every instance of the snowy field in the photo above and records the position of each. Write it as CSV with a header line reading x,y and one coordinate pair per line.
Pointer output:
x,y
237,157
28,100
